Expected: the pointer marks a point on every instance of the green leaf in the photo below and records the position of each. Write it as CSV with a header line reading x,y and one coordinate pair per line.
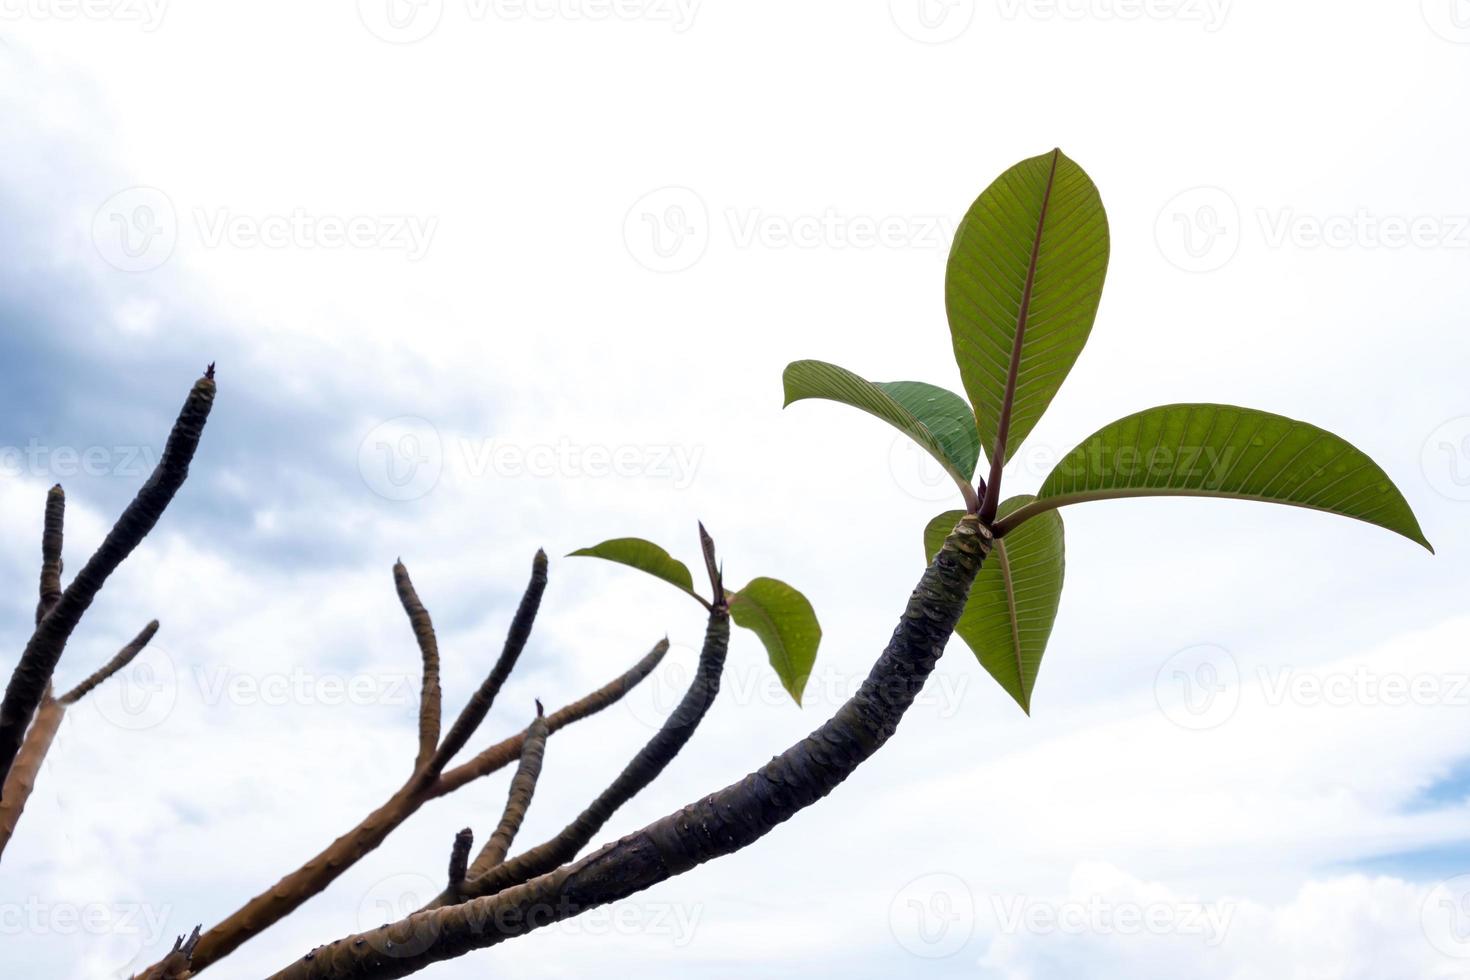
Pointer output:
x,y
1013,603
644,555
1224,451
787,625
938,420
1022,286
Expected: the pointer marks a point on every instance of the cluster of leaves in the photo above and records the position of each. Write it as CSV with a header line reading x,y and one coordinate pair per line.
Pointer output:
x,y
772,610
1022,288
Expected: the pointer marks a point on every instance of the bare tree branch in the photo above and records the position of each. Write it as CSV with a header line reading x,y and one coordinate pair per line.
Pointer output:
x,y
178,964
522,788
51,536
423,632
287,895
718,824
21,780
459,856
120,660
38,661
515,641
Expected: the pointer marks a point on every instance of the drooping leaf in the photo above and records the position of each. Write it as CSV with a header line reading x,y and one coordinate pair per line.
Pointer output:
x,y
1022,286
643,555
938,420
787,625
1197,450
1013,603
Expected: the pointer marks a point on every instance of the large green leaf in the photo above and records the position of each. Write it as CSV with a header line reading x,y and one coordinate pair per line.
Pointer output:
x,y
1224,451
787,625
936,419
1024,278
1013,603
644,555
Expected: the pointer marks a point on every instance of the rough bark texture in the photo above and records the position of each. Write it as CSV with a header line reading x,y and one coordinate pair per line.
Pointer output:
x,y
120,660
423,632
515,641
718,824
38,661
288,894
651,760
22,778
518,802
51,538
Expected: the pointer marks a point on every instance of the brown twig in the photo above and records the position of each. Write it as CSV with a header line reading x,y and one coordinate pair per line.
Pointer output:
x,y
423,632
518,801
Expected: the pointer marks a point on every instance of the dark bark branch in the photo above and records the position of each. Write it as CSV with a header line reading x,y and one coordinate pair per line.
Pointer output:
x,y
459,856
718,824
38,661
518,801
51,536
120,660
423,632
515,641
288,894
651,760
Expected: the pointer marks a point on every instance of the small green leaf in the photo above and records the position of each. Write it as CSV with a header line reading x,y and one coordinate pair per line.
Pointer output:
x,y
1224,451
787,625
1023,283
1012,606
644,555
938,420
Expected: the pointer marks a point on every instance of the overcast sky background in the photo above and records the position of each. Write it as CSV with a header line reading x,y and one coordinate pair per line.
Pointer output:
x,y
585,233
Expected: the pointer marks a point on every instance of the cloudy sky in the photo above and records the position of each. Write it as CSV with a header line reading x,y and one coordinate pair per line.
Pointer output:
x,y
483,276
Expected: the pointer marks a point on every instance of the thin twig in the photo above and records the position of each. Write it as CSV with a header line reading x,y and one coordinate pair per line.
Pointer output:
x,y
423,632
522,788
120,660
